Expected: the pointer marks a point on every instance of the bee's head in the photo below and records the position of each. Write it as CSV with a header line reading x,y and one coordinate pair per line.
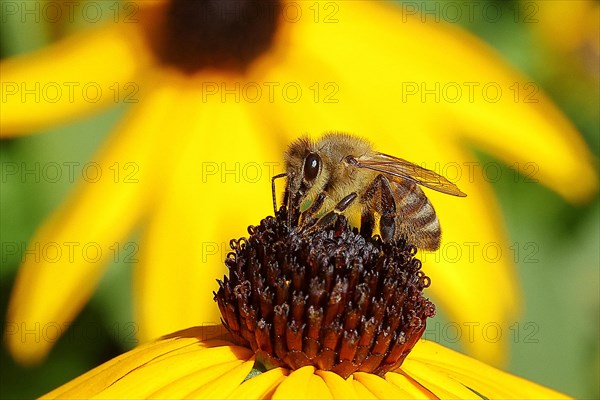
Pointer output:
x,y
304,168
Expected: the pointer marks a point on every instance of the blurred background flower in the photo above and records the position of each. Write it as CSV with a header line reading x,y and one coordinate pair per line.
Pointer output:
x,y
408,104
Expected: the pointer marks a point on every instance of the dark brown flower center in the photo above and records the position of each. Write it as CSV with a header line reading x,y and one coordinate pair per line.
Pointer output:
x,y
333,299
221,34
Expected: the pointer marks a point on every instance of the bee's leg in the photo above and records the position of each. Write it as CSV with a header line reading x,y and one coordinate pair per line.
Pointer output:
x,y
274,195
387,223
379,197
331,217
307,218
367,223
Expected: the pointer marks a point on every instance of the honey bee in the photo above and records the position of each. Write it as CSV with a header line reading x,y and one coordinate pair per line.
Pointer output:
x,y
342,174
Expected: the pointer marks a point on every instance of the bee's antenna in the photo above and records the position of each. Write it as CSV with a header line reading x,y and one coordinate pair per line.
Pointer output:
x,y
273,194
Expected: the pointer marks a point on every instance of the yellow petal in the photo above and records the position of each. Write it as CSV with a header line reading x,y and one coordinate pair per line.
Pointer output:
x,y
441,385
70,250
361,389
176,369
295,385
211,193
79,75
111,371
381,388
409,385
317,388
339,387
260,386
482,378
224,385
98,378
206,382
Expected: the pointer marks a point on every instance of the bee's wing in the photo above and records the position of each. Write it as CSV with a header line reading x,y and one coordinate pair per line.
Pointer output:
x,y
400,168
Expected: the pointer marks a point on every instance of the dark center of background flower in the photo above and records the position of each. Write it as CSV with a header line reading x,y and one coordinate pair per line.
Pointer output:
x,y
333,299
221,34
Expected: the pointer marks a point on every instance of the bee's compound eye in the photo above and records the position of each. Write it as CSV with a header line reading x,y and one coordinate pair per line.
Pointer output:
x,y
312,163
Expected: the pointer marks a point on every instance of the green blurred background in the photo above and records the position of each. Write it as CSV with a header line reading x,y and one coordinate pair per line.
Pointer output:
x,y
557,341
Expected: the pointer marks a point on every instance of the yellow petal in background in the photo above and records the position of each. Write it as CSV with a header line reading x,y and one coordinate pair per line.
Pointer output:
x,y
211,192
76,76
69,252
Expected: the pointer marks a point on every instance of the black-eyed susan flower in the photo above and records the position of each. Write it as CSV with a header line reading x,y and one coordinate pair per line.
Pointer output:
x,y
327,315
205,112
